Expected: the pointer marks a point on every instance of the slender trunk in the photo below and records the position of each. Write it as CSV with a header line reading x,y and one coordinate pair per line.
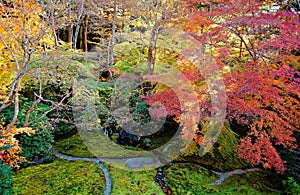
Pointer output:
x,y
53,25
78,24
70,26
85,25
80,37
55,38
152,48
241,45
35,103
70,32
16,105
113,37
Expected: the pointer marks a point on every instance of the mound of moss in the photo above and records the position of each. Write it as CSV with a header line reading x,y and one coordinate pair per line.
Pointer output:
x,y
128,182
190,179
60,177
73,146
221,157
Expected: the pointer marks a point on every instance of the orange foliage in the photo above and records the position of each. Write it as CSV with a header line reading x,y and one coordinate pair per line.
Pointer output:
x,y
11,156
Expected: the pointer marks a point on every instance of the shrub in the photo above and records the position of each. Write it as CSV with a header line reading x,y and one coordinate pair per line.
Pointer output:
x,y
33,145
6,179
291,186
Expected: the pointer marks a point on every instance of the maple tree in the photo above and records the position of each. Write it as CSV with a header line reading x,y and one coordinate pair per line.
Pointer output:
x,y
22,34
254,45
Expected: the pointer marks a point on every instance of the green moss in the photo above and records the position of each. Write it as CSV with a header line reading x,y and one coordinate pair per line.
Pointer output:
x,y
222,157
73,146
133,182
60,177
189,179
260,182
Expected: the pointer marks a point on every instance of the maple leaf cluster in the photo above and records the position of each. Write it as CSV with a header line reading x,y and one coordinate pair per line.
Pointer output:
x,y
12,150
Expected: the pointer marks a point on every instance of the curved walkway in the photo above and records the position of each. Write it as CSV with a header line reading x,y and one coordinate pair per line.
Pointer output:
x,y
108,182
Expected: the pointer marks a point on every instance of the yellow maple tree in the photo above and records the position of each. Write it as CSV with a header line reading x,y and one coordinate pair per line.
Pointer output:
x,y
23,29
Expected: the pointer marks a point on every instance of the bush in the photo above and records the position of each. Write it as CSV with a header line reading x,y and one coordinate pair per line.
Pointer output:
x,y
38,144
6,180
291,186
33,145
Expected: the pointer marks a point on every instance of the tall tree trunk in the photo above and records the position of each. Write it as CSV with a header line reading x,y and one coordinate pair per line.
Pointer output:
x,y
70,26
80,12
53,25
55,38
70,32
85,28
80,37
113,37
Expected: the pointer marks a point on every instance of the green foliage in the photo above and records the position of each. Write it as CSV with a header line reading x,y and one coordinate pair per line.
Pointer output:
x,y
103,100
139,108
188,179
291,186
60,177
6,180
131,57
63,125
37,144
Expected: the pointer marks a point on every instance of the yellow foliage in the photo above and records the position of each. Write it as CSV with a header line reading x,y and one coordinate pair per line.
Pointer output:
x,y
11,156
19,23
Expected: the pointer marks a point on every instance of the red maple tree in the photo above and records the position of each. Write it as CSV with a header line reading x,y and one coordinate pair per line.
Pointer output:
x,y
255,46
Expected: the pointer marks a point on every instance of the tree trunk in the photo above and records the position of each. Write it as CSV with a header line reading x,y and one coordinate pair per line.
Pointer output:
x,y
152,48
16,105
70,32
80,37
113,37
80,12
85,28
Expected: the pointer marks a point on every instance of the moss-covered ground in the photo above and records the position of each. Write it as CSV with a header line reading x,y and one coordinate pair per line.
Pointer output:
x,y
64,177
127,182
73,146
60,177
190,179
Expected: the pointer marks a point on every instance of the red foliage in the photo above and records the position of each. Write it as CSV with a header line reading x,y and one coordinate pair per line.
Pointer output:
x,y
262,86
170,102
262,90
